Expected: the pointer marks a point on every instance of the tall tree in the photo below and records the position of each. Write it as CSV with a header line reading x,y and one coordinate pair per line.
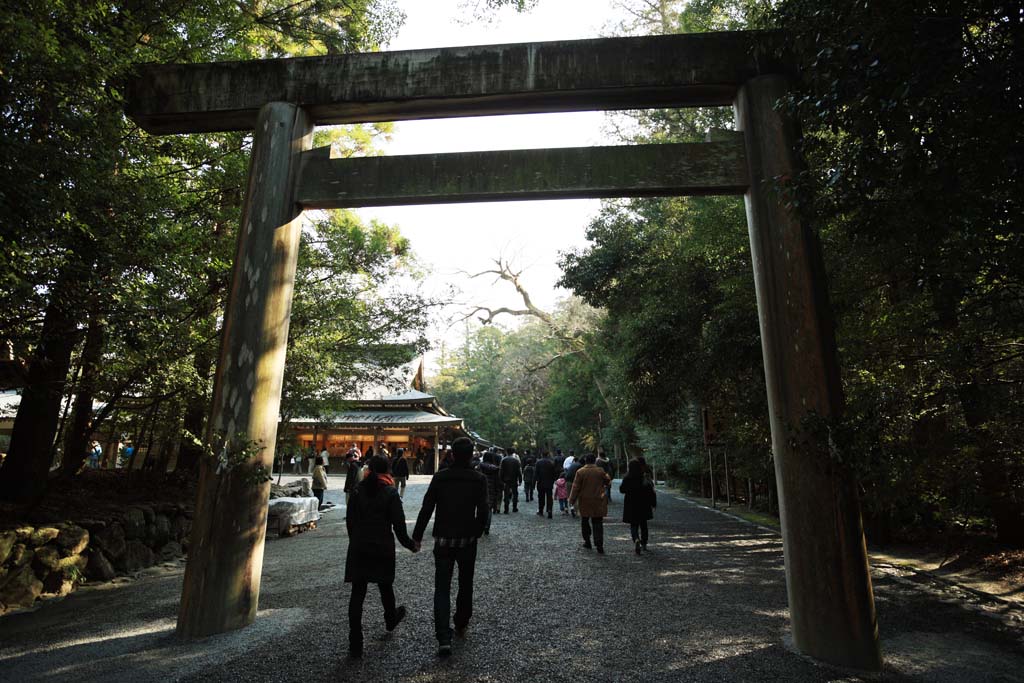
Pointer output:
x,y
81,183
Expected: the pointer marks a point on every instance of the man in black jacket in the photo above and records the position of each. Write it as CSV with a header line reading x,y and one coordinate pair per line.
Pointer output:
x,y
400,471
511,477
459,495
545,473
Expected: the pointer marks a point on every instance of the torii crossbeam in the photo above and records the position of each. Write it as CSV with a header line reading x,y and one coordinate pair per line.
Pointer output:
x,y
830,595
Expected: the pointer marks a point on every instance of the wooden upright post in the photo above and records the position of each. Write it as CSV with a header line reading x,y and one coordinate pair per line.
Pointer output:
x,y
222,578
830,598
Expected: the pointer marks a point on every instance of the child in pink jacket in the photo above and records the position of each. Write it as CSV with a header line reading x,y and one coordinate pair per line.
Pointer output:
x,y
562,495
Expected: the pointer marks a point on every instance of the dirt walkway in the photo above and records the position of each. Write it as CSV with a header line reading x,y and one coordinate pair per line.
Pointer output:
x,y
707,603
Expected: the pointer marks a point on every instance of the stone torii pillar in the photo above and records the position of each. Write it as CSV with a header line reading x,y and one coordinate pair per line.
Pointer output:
x,y
222,577
830,598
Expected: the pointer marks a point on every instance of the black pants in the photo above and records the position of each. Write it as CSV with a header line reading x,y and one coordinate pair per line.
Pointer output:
x,y
528,490
445,560
598,531
319,493
355,609
544,494
638,532
512,494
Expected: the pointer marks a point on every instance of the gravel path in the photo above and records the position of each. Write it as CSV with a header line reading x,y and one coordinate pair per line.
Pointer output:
x,y
708,603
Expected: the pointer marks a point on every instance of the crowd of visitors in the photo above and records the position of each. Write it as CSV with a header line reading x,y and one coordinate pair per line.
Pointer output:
x,y
468,489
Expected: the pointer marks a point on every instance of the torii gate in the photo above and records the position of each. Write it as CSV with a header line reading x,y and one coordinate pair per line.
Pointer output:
x,y
830,596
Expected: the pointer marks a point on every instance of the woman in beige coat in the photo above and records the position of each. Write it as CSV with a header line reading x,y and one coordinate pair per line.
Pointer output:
x,y
589,495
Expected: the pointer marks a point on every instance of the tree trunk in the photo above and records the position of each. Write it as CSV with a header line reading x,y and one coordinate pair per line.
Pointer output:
x,y
1007,512
25,473
81,426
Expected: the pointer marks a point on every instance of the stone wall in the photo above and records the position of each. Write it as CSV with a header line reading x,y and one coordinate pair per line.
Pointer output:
x,y
51,560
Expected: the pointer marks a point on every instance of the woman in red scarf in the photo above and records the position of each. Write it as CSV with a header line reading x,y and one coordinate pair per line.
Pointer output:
x,y
374,518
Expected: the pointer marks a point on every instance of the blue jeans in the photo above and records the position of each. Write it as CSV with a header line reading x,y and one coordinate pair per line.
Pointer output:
x,y
445,560
563,504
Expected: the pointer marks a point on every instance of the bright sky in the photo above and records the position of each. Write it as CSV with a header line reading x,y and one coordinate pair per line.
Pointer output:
x,y
454,239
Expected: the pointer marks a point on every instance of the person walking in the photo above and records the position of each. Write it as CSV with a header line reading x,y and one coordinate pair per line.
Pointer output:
x,y
588,493
570,474
528,479
511,477
545,475
638,503
562,495
319,484
375,518
352,475
400,471
489,467
459,496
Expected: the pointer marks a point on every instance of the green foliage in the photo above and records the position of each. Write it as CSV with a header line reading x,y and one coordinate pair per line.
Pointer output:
x,y
915,181
350,325
100,221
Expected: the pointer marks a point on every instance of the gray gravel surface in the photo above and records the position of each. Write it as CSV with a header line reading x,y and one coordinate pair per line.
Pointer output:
x,y
707,603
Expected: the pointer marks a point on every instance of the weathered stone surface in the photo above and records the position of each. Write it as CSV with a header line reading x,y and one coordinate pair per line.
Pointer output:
x,y
21,555
47,559
137,556
57,584
73,539
21,589
134,523
289,490
527,174
694,69
161,530
98,567
43,535
111,540
7,541
170,551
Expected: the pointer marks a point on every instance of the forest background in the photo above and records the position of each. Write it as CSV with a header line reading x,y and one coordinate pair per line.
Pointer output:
x,y
116,250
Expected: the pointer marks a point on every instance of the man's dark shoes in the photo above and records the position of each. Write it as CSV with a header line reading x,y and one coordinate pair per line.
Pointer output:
x,y
355,650
399,615
636,544
540,513
600,550
460,631
444,650
515,509
587,546
549,515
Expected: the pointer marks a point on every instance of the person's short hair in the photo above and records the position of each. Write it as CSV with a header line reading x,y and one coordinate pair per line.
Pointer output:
x,y
462,449
589,459
379,464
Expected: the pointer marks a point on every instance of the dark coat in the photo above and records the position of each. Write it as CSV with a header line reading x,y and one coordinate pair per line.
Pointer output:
x,y
492,473
373,521
352,476
528,474
511,471
546,474
459,494
400,468
640,499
